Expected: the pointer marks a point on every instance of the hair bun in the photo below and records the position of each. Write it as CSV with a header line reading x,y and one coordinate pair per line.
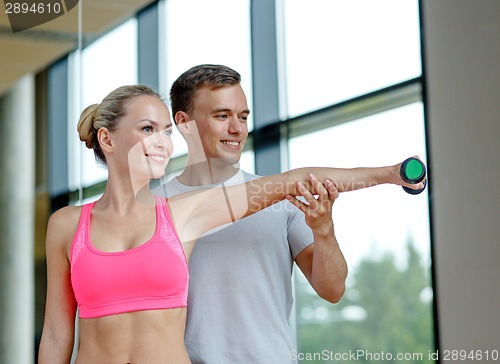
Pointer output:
x,y
86,125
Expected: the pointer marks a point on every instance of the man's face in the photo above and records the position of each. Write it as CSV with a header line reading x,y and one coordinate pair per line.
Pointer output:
x,y
221,119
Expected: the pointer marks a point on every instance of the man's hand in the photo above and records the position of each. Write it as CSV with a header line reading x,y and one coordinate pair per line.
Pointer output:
x,y
317,210
322,262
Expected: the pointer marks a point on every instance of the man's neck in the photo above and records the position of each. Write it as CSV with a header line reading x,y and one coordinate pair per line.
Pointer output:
x,y
206,173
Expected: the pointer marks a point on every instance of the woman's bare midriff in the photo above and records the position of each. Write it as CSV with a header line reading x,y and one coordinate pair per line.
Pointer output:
x,y
142,337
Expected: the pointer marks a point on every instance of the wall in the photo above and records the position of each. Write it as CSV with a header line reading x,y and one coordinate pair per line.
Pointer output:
x,y
462,62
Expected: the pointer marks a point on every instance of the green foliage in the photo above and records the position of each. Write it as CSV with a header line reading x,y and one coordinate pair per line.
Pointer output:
x,y
383,313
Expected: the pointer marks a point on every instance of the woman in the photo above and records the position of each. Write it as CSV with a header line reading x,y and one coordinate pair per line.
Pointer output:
x,y
122,261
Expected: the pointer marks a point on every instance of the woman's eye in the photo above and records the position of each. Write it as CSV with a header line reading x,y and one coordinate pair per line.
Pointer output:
x,y
148,129
168,132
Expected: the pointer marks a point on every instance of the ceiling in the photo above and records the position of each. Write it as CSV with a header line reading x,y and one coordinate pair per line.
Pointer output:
x,y
31,50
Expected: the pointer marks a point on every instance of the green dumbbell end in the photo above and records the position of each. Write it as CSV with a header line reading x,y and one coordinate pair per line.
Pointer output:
x,y
413,171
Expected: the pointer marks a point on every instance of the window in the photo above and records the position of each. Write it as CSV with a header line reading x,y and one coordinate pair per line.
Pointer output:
x,y
384,235
352,85
218,32
337,50
106,64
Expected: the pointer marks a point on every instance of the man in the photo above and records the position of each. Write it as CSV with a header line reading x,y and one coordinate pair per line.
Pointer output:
x,y
240,291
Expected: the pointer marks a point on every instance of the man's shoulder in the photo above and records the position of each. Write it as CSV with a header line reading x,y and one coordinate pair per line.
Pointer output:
x,y
244,176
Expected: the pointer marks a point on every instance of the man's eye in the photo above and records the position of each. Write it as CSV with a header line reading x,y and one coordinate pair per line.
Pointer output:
x,y
222,116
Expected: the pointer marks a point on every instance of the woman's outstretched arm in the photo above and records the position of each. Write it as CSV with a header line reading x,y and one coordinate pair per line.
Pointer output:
x,y
268,190
199,211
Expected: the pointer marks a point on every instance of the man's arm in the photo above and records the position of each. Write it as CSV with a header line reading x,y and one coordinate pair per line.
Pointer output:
x,y
322,262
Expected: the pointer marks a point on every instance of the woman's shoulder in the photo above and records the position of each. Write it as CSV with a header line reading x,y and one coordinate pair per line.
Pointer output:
x,y
65,220
66,214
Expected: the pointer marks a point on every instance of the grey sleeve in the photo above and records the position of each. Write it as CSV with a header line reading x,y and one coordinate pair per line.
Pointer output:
x,y
299,233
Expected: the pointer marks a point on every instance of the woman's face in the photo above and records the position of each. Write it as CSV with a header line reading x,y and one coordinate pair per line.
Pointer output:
x,y
142,141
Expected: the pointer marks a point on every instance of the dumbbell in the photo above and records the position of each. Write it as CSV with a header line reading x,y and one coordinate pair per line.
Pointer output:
x,y
413,171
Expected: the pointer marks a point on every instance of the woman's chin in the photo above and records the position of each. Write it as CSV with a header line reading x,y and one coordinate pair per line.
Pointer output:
x,y
147,173
157,176
157,172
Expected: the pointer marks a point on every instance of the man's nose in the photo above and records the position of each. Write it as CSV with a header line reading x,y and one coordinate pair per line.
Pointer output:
x,y
235,125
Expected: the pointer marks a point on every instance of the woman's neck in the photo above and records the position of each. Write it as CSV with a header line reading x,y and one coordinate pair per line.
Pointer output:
x,y
123,195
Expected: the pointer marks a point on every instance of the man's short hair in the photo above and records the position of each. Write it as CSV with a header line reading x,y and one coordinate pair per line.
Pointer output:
x,y
205,75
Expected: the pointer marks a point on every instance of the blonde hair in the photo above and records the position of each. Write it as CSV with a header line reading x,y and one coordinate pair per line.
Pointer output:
x,y
107,115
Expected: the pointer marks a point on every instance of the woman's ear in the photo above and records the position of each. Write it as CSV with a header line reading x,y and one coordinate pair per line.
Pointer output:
x,y
105,140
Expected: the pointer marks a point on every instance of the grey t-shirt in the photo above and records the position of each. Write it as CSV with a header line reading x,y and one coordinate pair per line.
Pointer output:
x,y
240,290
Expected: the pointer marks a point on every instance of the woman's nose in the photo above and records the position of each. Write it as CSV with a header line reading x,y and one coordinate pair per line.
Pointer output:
x,y
160,140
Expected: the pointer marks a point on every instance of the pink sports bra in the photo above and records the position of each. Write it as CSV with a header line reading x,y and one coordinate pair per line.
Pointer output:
x,y
151,276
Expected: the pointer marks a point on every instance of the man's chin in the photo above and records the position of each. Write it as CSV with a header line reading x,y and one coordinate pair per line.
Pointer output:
x,y
225,160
